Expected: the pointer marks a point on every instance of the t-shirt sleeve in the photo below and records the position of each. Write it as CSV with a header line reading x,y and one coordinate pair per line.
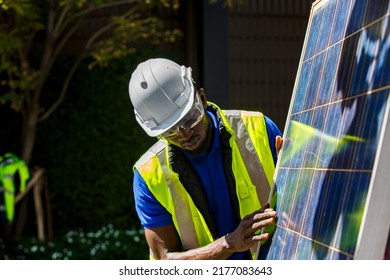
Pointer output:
x,y
272,131
150,212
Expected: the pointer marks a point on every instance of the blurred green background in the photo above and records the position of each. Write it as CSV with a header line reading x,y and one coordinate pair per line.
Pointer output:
x,y
88,148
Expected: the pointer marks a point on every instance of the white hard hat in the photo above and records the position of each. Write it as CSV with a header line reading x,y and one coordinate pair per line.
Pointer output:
x,y
161,92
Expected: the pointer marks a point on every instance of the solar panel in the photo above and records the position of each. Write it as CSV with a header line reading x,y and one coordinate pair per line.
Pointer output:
x,y
332,179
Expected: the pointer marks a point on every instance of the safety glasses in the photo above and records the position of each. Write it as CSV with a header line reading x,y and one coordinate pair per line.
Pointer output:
x,y
189,121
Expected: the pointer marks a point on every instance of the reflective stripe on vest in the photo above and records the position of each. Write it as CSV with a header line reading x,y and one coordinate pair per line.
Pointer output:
x,y
252,180
246,128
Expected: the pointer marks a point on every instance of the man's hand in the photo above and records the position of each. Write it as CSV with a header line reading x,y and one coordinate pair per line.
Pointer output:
x,y
244,237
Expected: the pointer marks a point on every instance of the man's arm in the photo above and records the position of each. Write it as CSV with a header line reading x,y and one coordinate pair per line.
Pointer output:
x,y
165,242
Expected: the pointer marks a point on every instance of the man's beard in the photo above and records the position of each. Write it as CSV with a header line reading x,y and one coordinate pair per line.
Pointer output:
x,y
206,144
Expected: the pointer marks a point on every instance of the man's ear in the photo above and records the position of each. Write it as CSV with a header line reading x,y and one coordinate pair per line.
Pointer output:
x,y
202,96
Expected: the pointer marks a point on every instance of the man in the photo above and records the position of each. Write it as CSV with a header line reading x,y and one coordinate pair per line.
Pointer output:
x,y
201,191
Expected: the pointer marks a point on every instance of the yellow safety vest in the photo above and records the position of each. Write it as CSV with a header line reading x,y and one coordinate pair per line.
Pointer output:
x,y
252,165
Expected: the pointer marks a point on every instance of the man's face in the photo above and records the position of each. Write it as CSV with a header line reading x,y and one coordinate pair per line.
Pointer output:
x,y
192,139
190,134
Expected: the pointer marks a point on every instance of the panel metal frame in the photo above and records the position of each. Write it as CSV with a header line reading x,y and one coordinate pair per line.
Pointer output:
x,y
375,227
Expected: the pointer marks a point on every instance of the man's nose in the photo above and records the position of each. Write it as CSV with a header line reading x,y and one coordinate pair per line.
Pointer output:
x,y
184,133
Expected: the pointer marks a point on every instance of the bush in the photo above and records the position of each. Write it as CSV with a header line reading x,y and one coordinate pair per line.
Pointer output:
x,y
106,243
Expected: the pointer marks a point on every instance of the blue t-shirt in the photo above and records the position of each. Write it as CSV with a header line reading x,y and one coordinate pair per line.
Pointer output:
x,y
211,173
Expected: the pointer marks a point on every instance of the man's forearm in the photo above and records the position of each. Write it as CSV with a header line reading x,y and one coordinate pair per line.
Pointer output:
x,y
217,250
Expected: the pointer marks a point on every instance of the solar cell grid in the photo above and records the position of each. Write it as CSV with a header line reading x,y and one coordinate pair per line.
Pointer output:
x,y
334,134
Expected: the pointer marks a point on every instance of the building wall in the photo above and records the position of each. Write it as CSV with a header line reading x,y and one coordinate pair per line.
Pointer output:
x,y
265,40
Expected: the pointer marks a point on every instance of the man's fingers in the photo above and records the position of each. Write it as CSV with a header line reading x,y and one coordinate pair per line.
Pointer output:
x,y
263,223
259,237
268,213
264,207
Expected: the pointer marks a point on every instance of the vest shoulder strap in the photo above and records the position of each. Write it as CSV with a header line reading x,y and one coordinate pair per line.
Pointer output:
x,y
157,148
249,127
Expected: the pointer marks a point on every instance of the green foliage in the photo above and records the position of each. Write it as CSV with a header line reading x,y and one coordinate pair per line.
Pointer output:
x,y
166,3
130,31
33,35
20,21
106,243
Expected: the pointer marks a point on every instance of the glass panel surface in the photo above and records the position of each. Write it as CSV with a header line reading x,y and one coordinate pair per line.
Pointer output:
x,y
333,132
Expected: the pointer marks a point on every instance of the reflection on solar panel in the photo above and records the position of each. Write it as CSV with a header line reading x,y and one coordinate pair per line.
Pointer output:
x,y
332,182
